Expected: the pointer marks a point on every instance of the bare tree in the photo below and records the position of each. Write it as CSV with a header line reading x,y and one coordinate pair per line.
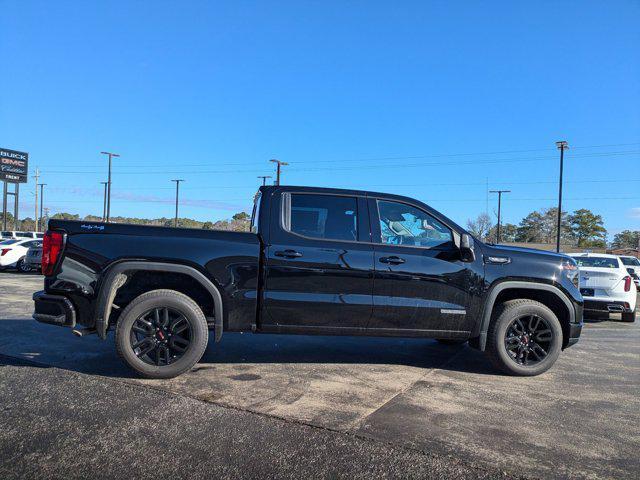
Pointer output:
x,y
480,227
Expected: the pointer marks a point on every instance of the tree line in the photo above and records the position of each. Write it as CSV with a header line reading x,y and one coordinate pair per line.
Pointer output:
x,y
582,228
238,222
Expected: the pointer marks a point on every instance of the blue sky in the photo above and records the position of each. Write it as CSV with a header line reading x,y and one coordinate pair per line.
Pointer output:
x,y
427,99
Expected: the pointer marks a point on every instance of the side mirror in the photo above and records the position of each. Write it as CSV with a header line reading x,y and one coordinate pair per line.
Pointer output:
x,y
631,271
467,251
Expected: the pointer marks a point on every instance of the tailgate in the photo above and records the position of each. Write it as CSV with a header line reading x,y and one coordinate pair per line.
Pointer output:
x,y
599,278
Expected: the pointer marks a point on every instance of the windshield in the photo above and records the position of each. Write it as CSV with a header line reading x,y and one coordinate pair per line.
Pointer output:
x,y
7,234
598,262
630,261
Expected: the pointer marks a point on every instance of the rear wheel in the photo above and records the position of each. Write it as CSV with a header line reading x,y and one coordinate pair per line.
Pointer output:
x,y
161,334
524,338
629,316
23,267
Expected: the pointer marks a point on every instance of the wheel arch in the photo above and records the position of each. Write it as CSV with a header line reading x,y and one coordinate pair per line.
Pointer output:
x,y
118,274
548,295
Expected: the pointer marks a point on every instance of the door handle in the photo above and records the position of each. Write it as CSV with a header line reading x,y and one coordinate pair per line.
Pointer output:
x,y
287,254
393,260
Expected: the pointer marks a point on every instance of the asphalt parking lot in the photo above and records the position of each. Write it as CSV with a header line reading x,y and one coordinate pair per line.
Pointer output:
x,y
436,411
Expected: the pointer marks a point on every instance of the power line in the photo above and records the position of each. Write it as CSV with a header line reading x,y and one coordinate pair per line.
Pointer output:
x,y
361,167
452,200
430,184
397,157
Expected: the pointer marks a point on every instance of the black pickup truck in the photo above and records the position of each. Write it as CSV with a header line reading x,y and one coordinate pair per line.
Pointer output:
x,y
317,261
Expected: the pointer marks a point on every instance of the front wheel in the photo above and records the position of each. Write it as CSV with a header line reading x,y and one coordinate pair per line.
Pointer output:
x,y
524,338
161,334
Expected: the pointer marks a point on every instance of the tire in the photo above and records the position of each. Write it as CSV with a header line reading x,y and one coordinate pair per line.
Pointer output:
x,y
520,359
151,365
628,316
451,341
22,267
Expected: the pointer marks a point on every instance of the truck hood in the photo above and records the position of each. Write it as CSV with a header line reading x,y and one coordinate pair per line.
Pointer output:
x,y
509,251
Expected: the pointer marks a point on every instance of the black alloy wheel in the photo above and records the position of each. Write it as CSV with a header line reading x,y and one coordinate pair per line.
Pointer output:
x,y
524,337
160,336
528,340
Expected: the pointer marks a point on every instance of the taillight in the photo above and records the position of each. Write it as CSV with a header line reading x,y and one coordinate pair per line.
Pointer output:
x,y
627,284
52,244
4,251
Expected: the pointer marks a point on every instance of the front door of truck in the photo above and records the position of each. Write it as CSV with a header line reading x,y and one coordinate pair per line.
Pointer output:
x,y
421,286
319,264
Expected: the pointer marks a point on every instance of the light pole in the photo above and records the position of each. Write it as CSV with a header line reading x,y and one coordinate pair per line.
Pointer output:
x,y
36,223
562,146
175,223
111,155
499,192
264,179
104,201
41,204
279,165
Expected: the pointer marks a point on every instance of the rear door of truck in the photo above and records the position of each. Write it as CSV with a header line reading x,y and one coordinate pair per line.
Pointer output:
x,y
318,263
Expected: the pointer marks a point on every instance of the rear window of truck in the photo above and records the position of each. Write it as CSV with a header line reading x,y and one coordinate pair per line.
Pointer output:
x,y
329,217
598,262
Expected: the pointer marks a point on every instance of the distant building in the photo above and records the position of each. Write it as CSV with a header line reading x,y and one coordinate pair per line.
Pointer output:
x,y
634,252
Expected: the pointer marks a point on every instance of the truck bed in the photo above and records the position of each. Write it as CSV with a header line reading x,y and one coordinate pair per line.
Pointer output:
x,y
229,259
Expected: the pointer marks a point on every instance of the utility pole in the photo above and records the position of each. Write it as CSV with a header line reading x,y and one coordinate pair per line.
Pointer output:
x,y
486,192
264,179
175,223
562,146
279,165
5,192
104,201
35,224
499,192
108,214
39,224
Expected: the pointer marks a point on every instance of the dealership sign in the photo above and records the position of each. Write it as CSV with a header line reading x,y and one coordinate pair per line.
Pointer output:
x,y
14,166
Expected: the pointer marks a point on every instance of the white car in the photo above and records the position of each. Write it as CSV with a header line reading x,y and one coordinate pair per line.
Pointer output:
x,y
633,267
14,251
605,285
5,235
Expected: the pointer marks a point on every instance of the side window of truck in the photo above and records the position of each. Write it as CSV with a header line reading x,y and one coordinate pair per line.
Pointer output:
x,y
402,224
329,217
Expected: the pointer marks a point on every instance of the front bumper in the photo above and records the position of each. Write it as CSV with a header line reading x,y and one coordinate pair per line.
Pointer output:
x,y
575,329
54,310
